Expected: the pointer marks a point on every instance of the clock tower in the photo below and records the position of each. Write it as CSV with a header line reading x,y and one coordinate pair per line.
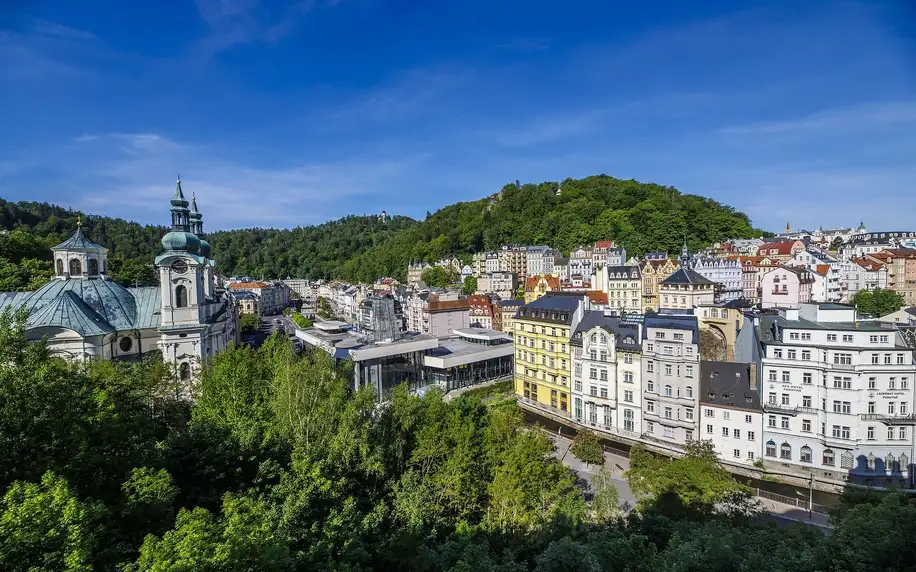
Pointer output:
x,y
185,339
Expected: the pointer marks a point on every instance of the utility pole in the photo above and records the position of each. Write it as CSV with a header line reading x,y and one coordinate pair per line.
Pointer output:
x,y
810,494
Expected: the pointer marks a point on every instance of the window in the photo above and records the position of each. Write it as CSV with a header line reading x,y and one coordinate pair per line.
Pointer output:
x,y
785,399
76,266
901,432
650,367
785,451
736,433
806,425
650,386
890,408
659,335
667,369
181,296
846,407
806,378
750,435
736,453
806,354
184,371
903,408
649,347
884,339
628,396
847,338
628,419
604,393
844,432
668,413
650,406
593,373
747,419
688,435
892,383
793,336
831,337
688,413
904,383
60,267
874,358
806,336
777,352
806,401
870,433
847,460
94,267
771,449
899,359
627,358
667,391
887,359
750,455
603,375
772,375
872,383
689,371
771,421
650,427
844,359
828,458
870,461
805,454
709,428
726,415
771,398
791,354
784,422
709,412
678,336
578,409
689,391
725,431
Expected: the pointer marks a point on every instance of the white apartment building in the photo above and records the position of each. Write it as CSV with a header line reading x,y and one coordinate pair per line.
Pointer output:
x,y
623,286
503,284
536,260
837,395
685,289
606,375
670,376
731,415
727,276
580,261
491,263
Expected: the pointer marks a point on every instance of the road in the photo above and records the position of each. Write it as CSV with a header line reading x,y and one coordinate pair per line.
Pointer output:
x,y
780,513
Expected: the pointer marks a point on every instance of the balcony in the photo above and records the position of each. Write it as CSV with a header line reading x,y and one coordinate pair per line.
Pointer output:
x,y
890,419
782,409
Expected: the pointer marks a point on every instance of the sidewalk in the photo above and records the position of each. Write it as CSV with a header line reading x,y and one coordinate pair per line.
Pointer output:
x,y
617,465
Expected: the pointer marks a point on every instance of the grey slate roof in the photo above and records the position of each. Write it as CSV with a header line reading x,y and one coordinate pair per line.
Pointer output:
x,y
79,241
728,384
686,276
148,300
686,322
612,325
68,311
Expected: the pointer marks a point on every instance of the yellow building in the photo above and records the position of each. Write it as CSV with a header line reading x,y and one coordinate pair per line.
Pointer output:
x,y
653,272
542,353
508,309
537,286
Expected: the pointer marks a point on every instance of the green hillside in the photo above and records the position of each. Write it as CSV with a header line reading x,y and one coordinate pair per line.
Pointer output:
x,y
639,216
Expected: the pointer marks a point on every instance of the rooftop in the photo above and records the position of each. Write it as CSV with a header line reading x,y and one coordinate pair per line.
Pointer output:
x,y
728,384
686,276
626,335
482,334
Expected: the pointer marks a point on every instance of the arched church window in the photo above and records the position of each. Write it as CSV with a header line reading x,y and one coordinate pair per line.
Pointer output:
x,y
184,371
181,296
76,267
93,267
125,344
60,267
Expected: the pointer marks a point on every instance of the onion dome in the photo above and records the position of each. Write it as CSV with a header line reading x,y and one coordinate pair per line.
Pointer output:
x,y
181,240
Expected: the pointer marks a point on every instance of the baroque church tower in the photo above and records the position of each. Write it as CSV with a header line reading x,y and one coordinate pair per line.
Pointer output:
x,y
189,310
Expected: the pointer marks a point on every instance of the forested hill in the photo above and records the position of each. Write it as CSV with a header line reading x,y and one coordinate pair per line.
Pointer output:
x,y
639,216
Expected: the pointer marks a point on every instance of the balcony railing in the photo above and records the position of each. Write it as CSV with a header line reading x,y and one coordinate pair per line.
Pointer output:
x,y
779,408
891,419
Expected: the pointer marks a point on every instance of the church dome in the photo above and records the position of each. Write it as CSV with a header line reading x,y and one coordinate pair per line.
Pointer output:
x,y
112,302
181,240
204,248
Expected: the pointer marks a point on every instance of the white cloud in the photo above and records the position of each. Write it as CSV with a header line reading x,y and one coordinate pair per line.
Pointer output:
x,y
868,115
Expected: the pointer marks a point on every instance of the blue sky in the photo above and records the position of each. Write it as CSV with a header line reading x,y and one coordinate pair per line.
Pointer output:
x,y
292,113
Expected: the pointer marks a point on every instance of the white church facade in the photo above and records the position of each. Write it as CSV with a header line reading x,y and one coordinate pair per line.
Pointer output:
x,y
83,314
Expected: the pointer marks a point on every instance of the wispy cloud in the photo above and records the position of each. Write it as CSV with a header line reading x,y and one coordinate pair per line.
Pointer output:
x,y
867,115
59,31
527,44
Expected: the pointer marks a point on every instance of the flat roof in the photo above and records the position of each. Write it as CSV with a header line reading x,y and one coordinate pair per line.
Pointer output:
x,y
455,352
482,334
411,342
328,325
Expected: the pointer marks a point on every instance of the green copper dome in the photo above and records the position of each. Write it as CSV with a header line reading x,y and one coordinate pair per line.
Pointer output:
x,y
204,248
181,240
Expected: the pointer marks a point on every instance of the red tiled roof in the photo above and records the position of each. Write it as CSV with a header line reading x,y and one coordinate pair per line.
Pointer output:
x,y
822,269
553,282
604,244
780,248
868,264
597,296
248,285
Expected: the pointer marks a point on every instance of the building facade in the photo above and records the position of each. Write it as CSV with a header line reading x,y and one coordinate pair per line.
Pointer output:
x,y
786,287
727,276
623,286
537,286
732,417
670,378
685,289
653,271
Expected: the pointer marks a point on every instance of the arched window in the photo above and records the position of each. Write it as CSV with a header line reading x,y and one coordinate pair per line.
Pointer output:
x,y
76,266
184,371
903,462
890,463
603,339
870,461
594,338
846,460
667,391
181,296
125,344
829,458
60,267
805,454
93,267
785,451
771,448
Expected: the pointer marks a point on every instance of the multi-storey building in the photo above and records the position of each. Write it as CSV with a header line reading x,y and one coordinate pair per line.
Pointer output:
x,y
623,286
670,377
580,261
537,286
837,394
542,360
415,305
606,374
863,243
870,275
685,289
723,321
604,252
507,310
415,272
270,296
479,263
513,259
503,284
732,418
446,313
653,271
482,310
901,271
781,251
536,260
561,268
787,287
726,274
492,263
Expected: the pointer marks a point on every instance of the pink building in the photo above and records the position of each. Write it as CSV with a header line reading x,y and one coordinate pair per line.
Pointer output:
x,y
786,287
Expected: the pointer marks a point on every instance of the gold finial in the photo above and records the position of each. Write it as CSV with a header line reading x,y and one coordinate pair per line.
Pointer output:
x,y
79,221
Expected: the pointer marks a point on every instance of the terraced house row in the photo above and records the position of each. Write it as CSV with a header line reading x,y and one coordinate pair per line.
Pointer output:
x,y
809,391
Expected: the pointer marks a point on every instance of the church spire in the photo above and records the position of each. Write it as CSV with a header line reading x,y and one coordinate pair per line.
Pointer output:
x,y
788,229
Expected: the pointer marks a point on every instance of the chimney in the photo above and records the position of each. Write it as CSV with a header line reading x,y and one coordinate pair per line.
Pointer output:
x,y
752,374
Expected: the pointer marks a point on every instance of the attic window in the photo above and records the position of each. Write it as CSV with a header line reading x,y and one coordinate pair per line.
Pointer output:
x,y
711,395
747,398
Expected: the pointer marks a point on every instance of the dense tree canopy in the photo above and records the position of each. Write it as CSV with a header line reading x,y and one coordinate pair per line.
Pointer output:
x,y
278,465
878,302
638,216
